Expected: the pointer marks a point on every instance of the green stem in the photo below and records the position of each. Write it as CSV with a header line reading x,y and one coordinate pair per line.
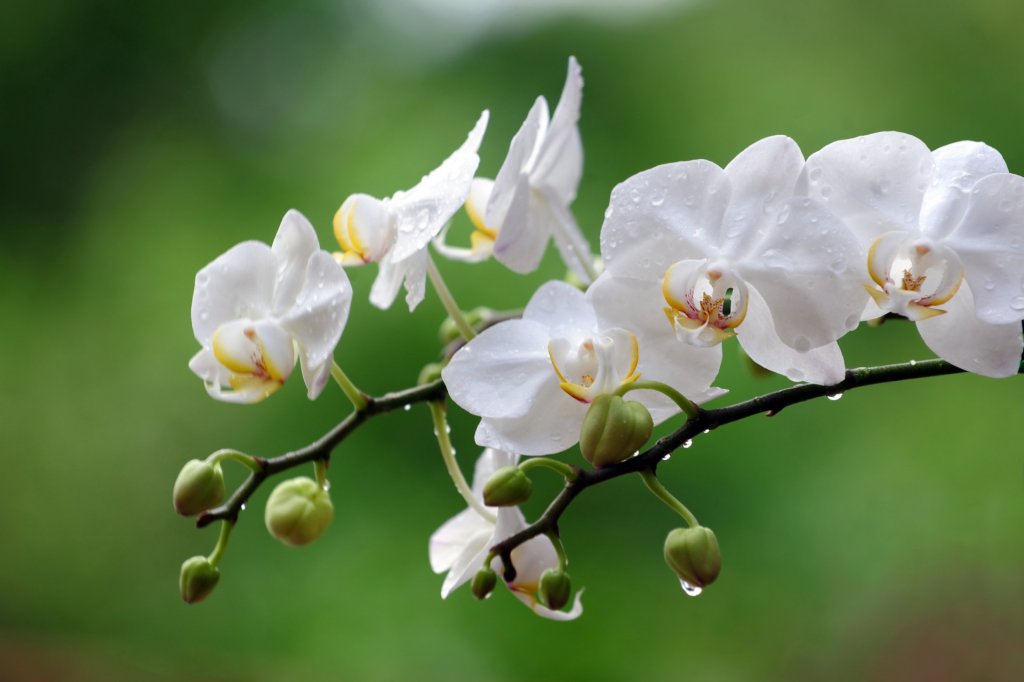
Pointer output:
x,y
685,404
222,542
448,301
662,493
320,467
437,413
235,456
556,540
562,468
355,396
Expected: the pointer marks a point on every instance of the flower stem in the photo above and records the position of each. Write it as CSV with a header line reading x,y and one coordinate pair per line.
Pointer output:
x,y
320,467
685,404
354,395
562,468
448,301
222,542
661,492
437,413
556,540
235,456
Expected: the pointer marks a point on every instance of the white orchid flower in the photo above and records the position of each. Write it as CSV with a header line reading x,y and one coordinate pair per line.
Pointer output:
x,y
257,307
702,253
532,380
395,232
528,203
944,232
462,543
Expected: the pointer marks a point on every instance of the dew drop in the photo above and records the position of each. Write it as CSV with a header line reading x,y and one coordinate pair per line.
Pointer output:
x,y
687,444
406,407
666,457
690,590
707,430
913,362
1017,303
834,396
242,508
327,486
556,437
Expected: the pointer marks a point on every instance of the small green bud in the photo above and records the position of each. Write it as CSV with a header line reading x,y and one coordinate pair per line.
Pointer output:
x,y
197,580
614,429
555,588
507,487
298,511
693,554
484,582
449,331
199,486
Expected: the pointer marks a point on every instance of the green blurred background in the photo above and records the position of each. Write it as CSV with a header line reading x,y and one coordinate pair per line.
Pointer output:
x,y
874,538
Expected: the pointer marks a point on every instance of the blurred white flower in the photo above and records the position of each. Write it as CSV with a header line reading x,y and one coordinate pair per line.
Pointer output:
x,y
257,307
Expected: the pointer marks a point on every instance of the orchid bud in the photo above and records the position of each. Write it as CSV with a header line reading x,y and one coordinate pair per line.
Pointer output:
x,y
555,588
197,580
614,429
199,486
693,554
430,373
507,487
484,582
449,330
298,511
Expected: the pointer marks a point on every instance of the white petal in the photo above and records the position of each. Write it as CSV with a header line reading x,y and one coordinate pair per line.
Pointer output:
x,y
958,167
875,183
237,284
295,242
316,377
823,365
572,245
524,230
762,177
990,243
559,162
319,314
551,425
960,338
216,378
520,153
810,271
469,561
421,212
388,282
499,373
450,540
638,305
544,612
562,308
662,215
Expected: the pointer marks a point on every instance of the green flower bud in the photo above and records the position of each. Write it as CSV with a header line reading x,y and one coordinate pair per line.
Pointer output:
x,y
449,331
197,580
484,582
693,554
507,487
199,486
555,588
298,511
614,429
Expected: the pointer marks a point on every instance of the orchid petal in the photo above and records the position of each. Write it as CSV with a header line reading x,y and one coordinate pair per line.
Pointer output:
x,y
990,243
560,307
551,425
662,215
498,372
809,270
293,245
509,181
958,167
544,612
448,542
524,230
876,182
238,283
762,177
559,162
469,561
823,365
960,338
569,239
421,212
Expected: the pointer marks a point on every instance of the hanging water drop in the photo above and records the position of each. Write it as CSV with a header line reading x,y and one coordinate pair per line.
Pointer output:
x,y
687,444
690,590
834,396
666,457
406,407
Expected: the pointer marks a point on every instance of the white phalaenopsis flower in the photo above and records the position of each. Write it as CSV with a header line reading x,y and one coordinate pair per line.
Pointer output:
x,y
532,380
700,253
528,202
463,542
944,232
257,307
396,232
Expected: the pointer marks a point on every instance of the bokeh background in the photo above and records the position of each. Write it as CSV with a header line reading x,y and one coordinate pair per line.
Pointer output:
x,y
878,537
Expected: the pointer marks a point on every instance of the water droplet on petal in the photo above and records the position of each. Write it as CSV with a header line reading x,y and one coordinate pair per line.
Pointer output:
x,y
1017,303
690,590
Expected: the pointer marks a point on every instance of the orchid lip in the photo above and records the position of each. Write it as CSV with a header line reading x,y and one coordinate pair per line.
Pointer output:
x,y
706,302
912,275
595,365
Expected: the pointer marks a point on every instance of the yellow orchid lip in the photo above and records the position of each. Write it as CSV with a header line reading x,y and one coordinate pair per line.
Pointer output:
x,y
705,323
912,275
347,235
255,358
